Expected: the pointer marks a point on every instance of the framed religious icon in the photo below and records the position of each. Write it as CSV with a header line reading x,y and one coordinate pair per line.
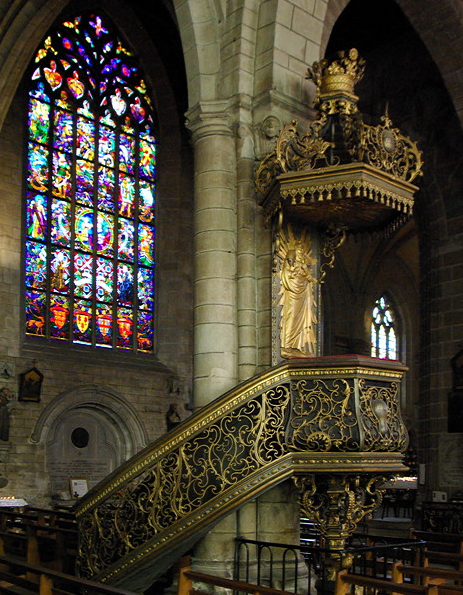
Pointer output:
x,y
30,385
78,487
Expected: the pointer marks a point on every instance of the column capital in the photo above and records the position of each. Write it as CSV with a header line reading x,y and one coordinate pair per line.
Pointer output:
x,y
209,118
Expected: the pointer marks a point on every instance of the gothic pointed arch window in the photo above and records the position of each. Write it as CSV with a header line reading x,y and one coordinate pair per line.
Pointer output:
x,y
383,329
90,191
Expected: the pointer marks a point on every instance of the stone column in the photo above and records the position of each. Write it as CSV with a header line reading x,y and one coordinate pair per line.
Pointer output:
x,y
215,330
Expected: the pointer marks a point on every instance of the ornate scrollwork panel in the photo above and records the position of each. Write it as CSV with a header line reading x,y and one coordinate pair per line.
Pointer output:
x,y
324,416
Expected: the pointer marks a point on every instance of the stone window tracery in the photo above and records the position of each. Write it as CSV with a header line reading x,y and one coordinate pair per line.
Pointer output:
x,y
383,330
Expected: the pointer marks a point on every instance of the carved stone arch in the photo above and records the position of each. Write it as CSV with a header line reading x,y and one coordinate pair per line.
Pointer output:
x,y
87,433
200,31
92,397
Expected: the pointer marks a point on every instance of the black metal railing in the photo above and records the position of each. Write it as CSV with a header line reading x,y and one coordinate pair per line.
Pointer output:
x,y
301,569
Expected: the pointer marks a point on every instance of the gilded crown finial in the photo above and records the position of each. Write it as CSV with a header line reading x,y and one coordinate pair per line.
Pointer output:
x,y
338,75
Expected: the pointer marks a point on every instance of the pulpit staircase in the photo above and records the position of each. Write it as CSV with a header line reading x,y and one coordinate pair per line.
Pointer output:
x,y
304,419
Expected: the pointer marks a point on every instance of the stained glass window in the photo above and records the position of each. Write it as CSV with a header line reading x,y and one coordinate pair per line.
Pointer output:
x,y
384,330
90,198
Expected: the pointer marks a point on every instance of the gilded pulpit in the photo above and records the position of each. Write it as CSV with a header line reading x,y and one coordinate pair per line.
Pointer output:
x,y
342,176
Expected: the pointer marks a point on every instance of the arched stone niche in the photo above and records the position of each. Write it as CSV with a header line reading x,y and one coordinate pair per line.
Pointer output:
x,y
87,432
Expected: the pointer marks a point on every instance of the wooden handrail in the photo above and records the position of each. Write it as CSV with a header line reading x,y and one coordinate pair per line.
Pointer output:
x,y
188,577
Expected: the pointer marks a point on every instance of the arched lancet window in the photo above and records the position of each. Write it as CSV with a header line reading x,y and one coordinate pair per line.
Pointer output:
x,y
384,338
89,224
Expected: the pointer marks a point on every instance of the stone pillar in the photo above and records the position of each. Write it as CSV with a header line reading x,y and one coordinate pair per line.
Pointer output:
x,y
215,330
246,253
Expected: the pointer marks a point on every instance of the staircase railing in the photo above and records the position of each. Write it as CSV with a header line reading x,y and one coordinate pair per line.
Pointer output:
x,y
313,416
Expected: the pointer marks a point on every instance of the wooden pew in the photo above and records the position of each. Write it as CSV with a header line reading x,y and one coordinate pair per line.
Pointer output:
x,y
344,580
14,581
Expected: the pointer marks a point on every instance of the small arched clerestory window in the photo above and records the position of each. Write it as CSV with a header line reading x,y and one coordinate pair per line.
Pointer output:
x,y
90,191
384,329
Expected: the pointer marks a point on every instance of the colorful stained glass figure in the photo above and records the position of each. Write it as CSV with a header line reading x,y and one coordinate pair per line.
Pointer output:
x,y
90,202
126,195
61,178
146,201
147,159
82,327
106,185
36,216
85,142
145,331
126,239
107,146
38,167
125,284
84,229
60,222
36,265
124,328
83,275
126,153
35,309
59,317
104,279
39,126
105,234
63,122
145,244
60,271
104,326
145,285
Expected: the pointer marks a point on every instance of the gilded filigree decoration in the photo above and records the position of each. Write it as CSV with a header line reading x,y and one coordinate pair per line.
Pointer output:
x,y
288,420
203,467
324,416
343,164
338,502
380,419
298,317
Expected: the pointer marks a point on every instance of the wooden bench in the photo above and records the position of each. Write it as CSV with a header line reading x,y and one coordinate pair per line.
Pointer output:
x,y
20,578
345,579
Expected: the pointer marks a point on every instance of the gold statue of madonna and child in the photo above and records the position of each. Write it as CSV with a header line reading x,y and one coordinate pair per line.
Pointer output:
x,y
298,337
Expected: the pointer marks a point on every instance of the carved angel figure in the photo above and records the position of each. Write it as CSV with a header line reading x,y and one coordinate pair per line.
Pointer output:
x,y
298,313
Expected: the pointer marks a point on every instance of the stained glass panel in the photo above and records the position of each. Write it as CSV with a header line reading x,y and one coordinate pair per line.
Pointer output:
x,y
145,245
145,331
105,188
84,182
125,284
60,222
38,167
60,271
124,328
61,180
90,204
83,275
59,317
36,265
104,326
82,326
35,310
126,239
63,122
39,114
36,216
126,195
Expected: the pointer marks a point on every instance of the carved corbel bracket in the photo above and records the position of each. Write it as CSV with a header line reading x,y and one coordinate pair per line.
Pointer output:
x,y
337,502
